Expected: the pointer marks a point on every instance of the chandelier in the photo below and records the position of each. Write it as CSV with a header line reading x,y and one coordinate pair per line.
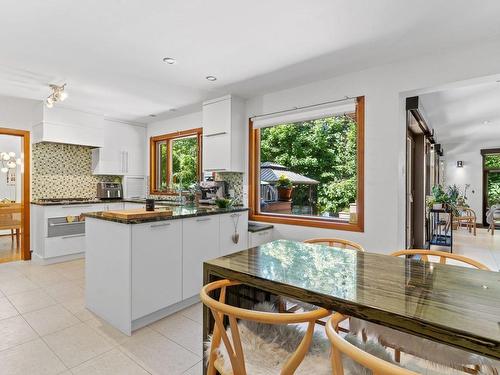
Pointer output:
x,y
58,95
8,161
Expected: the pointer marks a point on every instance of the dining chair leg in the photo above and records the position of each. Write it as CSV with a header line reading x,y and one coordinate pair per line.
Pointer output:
x,y
12,235
17,238
397,355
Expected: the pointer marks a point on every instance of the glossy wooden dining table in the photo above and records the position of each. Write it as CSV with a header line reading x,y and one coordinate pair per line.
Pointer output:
x,y
450,304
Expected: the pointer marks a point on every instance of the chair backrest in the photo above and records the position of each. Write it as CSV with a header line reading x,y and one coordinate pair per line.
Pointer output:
x,y
341,346
443,257
234,347
336,242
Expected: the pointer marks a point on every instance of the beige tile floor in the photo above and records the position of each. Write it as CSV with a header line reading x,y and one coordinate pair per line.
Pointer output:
x,y
483,247
45,329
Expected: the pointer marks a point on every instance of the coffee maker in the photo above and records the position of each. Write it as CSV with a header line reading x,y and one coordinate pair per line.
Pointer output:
x,y
212,190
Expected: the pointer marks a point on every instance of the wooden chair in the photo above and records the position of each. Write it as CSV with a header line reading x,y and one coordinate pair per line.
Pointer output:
x,y
10,219
467,217
367,328
443,257
336,242
341,346
493,217
233,345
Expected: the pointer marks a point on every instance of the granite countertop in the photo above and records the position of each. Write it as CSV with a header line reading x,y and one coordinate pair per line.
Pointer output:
x,y
99,201
179,212
258,227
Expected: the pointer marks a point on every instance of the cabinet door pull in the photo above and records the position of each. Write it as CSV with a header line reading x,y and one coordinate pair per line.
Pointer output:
x,y
214,169
235,215
73,235
204,219
160,225
74,206
214,134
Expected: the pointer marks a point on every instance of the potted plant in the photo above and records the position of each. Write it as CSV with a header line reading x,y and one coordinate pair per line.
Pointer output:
x,y
439,198
285,188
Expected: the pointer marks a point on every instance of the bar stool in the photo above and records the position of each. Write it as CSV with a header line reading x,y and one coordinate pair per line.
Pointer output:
x,y
228,357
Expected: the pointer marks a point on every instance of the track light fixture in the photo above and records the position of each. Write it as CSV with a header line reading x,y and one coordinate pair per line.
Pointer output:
x,y
58,95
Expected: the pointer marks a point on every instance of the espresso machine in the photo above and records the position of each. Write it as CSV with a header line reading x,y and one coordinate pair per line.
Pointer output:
x,y
212,190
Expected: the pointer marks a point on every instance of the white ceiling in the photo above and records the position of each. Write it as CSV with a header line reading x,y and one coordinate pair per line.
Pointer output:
x,y
465,115
110,51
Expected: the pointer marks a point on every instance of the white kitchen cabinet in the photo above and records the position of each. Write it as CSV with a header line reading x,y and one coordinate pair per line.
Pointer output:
x,y
61,247
200,236
156,275
132,205
123,150
260,237
223,135
228,224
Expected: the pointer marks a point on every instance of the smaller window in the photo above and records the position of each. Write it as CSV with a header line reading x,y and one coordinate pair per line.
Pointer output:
x,y
175,159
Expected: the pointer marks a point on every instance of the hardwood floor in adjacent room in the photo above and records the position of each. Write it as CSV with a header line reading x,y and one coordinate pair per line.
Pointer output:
x,y
9,251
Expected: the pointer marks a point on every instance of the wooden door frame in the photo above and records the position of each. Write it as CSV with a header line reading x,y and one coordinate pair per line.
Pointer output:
x,y
25,215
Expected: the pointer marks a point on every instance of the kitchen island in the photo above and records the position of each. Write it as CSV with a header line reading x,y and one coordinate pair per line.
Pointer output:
x,y
141,270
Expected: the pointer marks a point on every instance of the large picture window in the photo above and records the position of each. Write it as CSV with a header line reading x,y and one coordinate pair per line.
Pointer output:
x,y
306,167
175,161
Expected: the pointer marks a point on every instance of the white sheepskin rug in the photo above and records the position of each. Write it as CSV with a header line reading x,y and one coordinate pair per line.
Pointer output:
x,y
266,348
430,350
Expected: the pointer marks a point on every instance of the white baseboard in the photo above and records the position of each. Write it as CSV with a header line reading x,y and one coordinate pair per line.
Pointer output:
x,y
160,314
35,258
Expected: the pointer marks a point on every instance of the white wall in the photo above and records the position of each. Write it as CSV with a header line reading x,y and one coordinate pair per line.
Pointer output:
x,y
17,113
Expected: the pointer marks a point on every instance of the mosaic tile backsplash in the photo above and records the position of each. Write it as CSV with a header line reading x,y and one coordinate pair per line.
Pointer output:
x,y
63,171
235,181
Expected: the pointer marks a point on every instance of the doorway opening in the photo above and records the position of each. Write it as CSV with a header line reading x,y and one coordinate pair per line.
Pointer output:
x,y
14,195
491,180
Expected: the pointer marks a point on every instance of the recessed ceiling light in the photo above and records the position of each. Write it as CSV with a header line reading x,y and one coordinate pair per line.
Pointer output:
x,y
169,60
211,78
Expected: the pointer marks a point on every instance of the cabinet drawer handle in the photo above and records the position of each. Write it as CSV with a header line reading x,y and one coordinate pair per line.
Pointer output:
x,y
204,219
73,236
214,134
235,215
75,206
214,169
159,225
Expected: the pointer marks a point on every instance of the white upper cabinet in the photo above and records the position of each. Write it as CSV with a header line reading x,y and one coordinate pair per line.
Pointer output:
x,y
223,134
123,150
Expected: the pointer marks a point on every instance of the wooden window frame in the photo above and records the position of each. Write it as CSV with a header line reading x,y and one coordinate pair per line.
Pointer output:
x,y
153,157
307,221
